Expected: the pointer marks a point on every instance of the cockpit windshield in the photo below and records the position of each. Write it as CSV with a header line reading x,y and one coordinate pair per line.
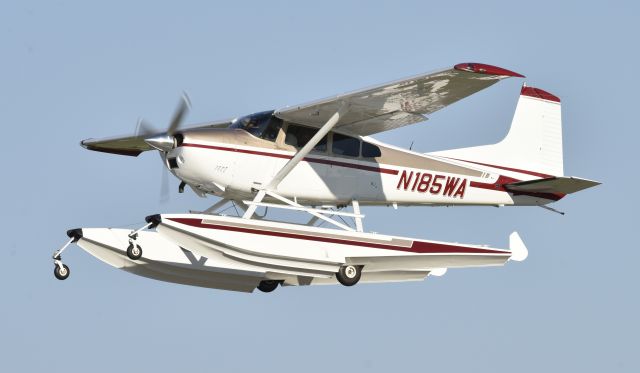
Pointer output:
x,y
263,125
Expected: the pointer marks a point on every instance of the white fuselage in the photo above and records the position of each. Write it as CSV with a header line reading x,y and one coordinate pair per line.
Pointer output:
x,y
234,164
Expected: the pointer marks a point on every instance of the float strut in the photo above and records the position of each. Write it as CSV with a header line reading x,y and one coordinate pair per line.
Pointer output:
x,y
133,235
57,255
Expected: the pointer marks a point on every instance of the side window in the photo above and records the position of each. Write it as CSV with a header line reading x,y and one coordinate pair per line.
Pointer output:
x,y
273,128
299,136
345,145
370,150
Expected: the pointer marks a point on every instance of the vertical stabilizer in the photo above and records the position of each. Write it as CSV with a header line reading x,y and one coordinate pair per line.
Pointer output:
x,y
534,141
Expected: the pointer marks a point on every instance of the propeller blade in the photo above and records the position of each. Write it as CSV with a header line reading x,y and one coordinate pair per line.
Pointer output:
x,y
178,116
144,128
164,185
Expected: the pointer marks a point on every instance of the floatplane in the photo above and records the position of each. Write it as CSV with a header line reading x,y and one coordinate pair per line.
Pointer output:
x,y
317,159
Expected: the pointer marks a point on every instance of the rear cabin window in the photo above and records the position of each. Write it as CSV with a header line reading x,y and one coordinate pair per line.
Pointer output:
x,y
299,136
370,150
345,145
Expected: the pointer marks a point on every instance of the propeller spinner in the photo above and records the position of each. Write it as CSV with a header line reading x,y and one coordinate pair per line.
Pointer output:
x,y
167,141
164,142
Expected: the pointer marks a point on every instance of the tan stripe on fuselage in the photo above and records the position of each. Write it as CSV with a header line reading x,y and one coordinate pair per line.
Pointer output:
x,y
389,157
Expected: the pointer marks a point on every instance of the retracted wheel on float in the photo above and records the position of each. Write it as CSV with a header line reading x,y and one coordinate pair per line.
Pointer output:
x,y
267,286
349,275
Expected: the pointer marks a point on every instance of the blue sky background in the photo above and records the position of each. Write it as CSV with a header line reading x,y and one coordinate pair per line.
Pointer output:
x,y
73,70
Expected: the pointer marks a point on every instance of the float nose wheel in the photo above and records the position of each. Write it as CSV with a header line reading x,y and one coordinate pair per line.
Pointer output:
x,y
61,271
134,251
349,275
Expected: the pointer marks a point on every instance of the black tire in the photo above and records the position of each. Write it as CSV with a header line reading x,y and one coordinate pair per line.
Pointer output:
x,y
267,286
349,275
134,251
61,273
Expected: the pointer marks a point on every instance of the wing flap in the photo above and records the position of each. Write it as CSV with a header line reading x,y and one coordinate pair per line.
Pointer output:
x,y
559,184
399,103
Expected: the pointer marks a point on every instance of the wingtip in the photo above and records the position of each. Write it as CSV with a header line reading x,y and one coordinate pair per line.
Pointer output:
x,y
481,68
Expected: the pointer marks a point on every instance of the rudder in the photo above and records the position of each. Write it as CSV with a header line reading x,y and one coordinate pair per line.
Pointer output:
x,y
534,141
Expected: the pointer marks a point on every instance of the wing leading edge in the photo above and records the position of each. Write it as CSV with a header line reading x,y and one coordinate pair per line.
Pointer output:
x,y
134,145
399,103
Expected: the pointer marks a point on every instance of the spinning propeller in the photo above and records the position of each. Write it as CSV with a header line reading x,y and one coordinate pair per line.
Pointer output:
x,y
166,141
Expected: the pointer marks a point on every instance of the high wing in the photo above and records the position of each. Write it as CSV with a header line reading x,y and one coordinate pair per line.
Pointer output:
x,y
368,111
399,103
134,145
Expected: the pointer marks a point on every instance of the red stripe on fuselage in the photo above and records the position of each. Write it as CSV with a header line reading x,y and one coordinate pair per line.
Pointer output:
x,y
416,247
503,180
473,184
306,159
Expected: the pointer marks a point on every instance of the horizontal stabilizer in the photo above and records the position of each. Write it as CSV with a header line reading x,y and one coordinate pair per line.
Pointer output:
x,y
559,184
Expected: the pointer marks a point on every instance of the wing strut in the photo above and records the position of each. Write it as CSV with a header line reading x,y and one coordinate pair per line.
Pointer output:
x,y
356,210
288,167
322,132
